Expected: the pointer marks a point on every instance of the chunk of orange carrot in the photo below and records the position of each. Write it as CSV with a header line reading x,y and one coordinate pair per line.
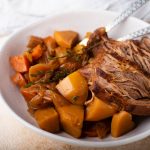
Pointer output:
x,y
18,79
19,63
37,52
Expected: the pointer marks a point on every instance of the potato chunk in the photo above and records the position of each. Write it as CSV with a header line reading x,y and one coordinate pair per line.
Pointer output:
x,y
66,39
62,53
98,110
74,88
71,116
121,123
38,70
47,119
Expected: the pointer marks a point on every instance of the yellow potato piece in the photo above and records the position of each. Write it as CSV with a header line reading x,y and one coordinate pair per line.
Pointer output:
x,y
50,42
37,52
61,52
28,56
78,49
66,39
71,116
74,88
121,123
38,70
98,110
88,34
72,119
47,119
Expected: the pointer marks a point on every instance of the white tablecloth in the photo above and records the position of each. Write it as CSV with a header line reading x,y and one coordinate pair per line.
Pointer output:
x,y
17,13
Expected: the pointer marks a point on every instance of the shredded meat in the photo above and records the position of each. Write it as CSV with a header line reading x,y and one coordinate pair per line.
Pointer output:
x,y
120,72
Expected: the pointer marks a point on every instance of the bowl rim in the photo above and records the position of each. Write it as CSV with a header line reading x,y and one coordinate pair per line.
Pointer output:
x,y
56,137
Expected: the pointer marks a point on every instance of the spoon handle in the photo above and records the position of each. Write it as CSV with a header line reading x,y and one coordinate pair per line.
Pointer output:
x,y
134,6
135,34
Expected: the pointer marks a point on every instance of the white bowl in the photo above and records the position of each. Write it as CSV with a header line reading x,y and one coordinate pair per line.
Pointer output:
x,y
81,21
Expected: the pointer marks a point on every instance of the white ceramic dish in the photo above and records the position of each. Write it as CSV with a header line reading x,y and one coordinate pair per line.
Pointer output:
x,y
81,21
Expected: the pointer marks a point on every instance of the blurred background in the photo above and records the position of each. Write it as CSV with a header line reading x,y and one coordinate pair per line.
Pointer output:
x,y
18,13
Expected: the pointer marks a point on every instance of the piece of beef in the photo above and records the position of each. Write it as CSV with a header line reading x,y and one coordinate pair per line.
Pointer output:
x,y
130,52
119,74
138,55
144,43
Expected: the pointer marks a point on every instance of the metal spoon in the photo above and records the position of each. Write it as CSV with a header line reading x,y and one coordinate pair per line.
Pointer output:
x,y
125,14
135,34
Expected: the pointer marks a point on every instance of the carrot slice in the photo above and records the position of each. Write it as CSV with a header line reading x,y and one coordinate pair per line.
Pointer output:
x,y
50,42
121,123
19,63
18,79
66,39
37,52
